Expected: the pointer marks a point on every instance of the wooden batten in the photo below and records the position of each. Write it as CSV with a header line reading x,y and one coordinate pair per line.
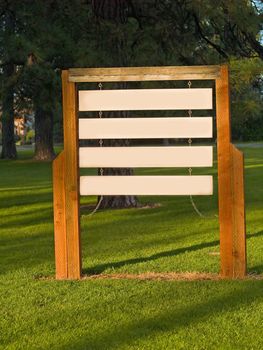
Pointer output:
x,y
79,75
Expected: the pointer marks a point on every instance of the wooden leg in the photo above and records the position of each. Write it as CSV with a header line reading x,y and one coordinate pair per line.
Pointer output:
x,y
230,187
238,214
71,177
232,221
59,217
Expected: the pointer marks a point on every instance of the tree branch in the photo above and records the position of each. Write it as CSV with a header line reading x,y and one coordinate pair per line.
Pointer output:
x,y
254,44
200,31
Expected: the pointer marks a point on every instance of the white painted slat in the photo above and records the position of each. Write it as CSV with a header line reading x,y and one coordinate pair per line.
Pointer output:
x,y
139,128
134,157
146,185
145,99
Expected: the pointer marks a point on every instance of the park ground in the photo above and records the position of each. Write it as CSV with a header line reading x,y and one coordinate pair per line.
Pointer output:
x,y
38,312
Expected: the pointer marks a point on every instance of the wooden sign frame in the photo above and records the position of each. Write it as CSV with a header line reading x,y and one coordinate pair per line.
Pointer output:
x,y
230,166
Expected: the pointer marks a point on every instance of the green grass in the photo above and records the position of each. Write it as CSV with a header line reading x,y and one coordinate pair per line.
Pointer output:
x,y
125,314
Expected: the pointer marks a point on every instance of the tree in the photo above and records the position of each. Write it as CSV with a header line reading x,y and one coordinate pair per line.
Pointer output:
x,y
7,25
41,38
183,32
57,33
115,11
40,84
39,79
36,43
246,97
8,137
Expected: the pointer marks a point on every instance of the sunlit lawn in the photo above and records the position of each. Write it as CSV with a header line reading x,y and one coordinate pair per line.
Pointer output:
x,y
41,313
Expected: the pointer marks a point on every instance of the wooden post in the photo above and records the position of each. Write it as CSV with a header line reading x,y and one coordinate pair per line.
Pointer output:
x,y
231,241
66,190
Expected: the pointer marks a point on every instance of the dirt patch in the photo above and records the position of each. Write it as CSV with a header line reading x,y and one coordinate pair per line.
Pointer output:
x,y
149,206
162,276
169,276
214,253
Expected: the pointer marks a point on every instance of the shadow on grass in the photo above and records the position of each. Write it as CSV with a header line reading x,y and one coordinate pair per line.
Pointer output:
x,y
27,238
27,251
147,330
35,218
101,268
254,235
95,270
33,197
258,269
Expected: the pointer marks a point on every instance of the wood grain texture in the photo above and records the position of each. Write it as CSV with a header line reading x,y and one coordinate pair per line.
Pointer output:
x,y
224,172
239,225
145,99
146,185
138,157
70,121
230,188
60,236
143,128
143,73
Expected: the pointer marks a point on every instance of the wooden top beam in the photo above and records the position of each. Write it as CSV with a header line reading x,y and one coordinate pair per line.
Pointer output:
x,y
82,75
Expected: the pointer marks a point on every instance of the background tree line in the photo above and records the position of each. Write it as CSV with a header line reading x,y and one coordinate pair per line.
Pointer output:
x,y
40,38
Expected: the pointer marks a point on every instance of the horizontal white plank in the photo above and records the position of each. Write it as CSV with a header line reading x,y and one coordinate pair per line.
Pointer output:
x,y
139,128
145,99
135,157
146,185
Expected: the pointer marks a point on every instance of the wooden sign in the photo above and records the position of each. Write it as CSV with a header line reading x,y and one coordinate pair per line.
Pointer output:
x,y
68,185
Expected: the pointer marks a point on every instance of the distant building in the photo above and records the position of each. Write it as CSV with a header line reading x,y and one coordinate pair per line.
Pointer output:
x,y
22,124
19,126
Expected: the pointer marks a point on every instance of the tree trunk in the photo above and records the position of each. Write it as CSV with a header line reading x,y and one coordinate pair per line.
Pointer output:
x,y
117,201
8,137
116,11
44,149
